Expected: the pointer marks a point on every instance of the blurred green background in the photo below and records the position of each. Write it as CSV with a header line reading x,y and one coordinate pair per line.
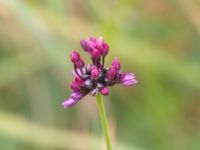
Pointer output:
x,y
158,40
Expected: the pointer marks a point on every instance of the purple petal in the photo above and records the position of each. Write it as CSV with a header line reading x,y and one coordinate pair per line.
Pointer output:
x,y
94,72
69,103
105,49
80,63
76,96
100,42
111,73
128,79
116,64
84,45
75,87
95,53
75,57
93,39
90,45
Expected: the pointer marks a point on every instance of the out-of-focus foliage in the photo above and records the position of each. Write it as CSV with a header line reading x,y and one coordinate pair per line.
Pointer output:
x,y
158,40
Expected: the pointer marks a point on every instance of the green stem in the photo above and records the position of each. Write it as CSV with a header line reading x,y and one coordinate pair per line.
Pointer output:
x,y
103,120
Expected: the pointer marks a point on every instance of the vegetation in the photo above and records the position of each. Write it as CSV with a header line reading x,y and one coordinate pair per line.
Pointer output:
x,y
157,40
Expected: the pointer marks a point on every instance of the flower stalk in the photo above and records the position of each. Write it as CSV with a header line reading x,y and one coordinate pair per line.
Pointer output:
x,y
103,120
95,79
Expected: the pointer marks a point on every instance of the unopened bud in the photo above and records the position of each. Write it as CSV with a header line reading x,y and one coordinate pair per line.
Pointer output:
x,y
75,57
94,72
105,91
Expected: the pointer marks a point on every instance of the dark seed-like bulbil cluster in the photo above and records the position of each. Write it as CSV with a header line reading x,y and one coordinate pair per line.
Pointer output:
x,y
95,78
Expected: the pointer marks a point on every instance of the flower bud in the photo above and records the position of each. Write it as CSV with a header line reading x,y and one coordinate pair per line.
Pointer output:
x,y
94,72
75,57
75,87
93,39
80,63
100,42
95,53
76,84
128,79
105,49
105,91
77,96
90,46
78,81
116,64
111,73
69,103
84,45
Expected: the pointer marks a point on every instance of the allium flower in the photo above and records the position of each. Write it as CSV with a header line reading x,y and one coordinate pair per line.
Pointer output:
x,y
95,78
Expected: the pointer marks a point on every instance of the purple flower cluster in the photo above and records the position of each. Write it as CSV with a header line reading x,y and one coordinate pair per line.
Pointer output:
x,y
95,78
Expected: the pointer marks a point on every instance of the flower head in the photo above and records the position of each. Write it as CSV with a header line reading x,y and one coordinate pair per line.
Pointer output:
x,y
95,78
